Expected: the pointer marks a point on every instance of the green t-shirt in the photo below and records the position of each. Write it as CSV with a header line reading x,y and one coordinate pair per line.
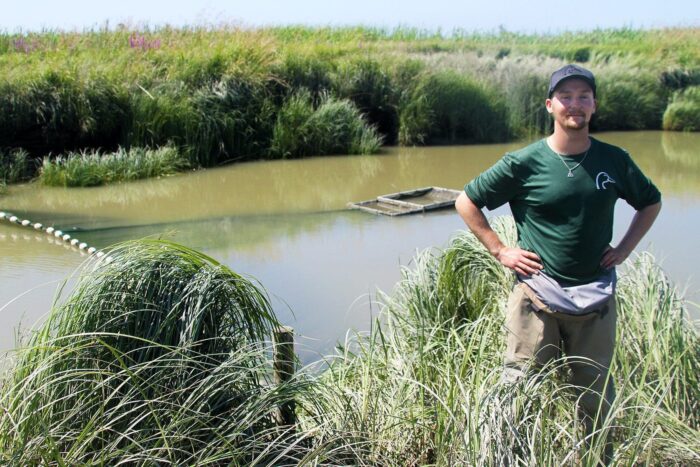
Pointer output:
x,y
567,221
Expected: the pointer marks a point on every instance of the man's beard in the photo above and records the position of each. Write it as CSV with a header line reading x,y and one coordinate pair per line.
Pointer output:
x,y
574,124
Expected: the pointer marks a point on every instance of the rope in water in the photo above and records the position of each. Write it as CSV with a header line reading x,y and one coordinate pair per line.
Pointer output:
x,y
52,231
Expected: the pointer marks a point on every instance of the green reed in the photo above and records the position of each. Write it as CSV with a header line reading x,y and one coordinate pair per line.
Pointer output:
x,y
683,112
94,168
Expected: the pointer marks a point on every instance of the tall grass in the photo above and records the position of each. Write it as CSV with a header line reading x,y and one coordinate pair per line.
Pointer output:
x,y
15,166
683,112
335,126
425,386
94,168
462,110
159,356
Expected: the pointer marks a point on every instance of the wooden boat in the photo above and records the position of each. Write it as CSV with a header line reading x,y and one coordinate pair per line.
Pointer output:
x,y
409,202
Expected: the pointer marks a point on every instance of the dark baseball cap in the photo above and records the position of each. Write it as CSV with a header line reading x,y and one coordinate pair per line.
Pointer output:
x,y
568,72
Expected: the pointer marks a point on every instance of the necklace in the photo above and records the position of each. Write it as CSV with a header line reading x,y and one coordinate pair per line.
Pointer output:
x,y
571,169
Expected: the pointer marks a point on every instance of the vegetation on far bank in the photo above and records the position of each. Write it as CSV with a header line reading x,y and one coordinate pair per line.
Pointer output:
x,y
230,94
159,356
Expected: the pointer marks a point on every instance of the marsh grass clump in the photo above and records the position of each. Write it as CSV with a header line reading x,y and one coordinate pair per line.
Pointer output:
x,y
15,166
158,356
368,84
335,126
629,102
683,112
90,168
425,385
463,110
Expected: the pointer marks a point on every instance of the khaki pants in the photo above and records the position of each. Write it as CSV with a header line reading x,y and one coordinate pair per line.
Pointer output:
x,y
536,334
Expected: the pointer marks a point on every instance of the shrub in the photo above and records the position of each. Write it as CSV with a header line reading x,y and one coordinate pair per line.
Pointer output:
x,y
680,78
683,112
581,55
298,72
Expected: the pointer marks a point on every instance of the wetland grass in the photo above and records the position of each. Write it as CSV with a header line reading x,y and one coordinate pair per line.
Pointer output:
x,y
15,166
217,93
683,112
94,168
159,357
335,126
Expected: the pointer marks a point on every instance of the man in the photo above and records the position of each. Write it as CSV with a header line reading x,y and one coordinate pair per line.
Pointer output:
x,y
562,191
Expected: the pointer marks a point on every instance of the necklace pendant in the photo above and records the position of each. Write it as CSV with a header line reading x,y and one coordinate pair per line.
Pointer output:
x,y
570,174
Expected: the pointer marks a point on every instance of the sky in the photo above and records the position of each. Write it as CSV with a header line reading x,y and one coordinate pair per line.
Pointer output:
x,y
538,16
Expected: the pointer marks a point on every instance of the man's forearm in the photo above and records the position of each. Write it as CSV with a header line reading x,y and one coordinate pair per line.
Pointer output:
x,y
640,225
477,223
519,260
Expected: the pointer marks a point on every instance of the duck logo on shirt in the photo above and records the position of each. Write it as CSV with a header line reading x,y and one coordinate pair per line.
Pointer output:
x,y
602,180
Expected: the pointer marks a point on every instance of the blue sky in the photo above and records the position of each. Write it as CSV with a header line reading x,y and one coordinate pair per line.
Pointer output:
x,y
483,15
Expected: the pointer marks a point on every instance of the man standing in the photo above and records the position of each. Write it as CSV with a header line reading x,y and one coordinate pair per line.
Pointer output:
x,y
562,191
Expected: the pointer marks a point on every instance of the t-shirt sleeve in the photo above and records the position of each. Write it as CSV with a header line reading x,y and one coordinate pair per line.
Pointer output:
x,y
637,189
496,186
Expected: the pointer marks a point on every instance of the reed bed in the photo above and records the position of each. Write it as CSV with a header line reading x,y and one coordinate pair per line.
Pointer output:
x,y
223,94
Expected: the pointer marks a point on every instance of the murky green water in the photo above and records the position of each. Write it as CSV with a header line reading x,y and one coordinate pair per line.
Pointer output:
x,y
285,223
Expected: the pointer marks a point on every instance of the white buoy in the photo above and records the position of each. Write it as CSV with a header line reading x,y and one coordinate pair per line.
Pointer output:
x,y
50,230
38,226
100,254
25,222
82,246
74,242
2,214
13,218
66,237
57,233
92,249
109,259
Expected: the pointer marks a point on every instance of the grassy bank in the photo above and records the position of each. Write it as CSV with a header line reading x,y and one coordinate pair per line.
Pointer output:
x,y
228,94
160,357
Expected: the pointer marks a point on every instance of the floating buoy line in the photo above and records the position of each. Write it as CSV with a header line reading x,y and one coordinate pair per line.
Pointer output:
x,y
61,236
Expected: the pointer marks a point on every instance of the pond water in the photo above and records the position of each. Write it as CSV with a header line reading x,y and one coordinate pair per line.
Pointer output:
x,y
285,224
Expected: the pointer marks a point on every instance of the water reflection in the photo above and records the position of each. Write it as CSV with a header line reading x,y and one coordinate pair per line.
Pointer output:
x,y
682,148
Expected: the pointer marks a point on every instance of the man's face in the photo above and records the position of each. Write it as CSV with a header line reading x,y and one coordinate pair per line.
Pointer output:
x,y
572,104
